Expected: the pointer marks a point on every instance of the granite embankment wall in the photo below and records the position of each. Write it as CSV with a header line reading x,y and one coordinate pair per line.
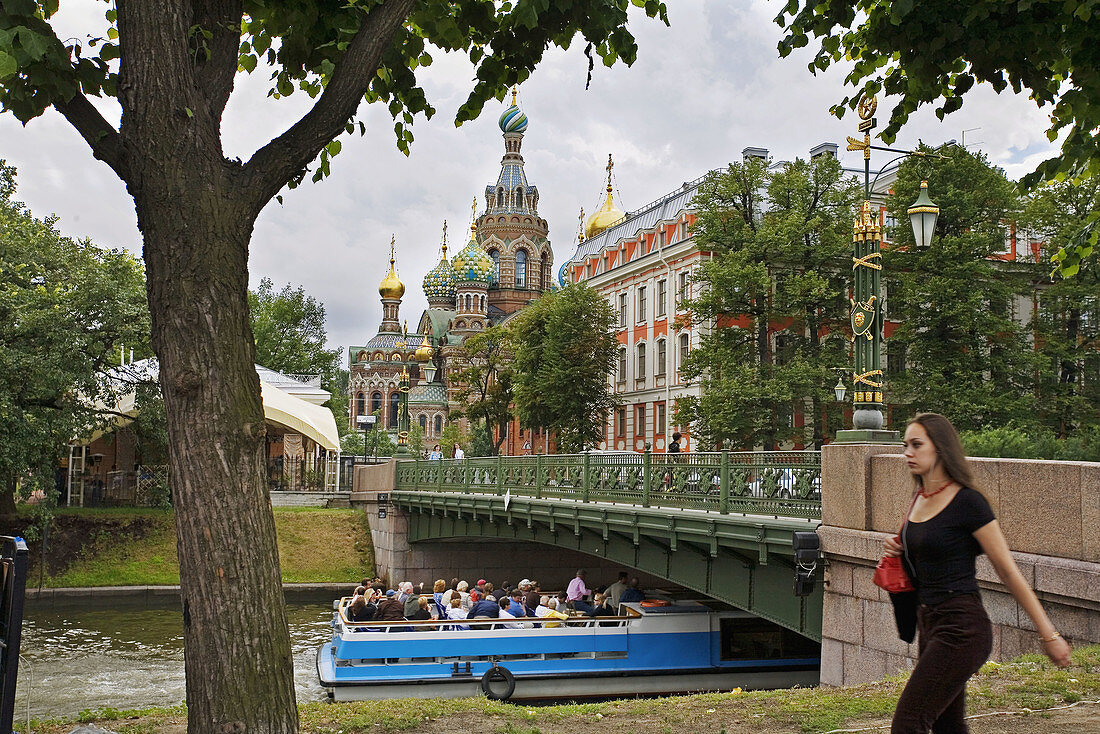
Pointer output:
x,y
1050,514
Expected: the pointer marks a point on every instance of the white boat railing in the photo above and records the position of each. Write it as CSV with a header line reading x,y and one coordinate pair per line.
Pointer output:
x,y
481,622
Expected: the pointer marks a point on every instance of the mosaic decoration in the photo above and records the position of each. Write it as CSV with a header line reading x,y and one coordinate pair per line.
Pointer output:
x,y
472,264
439,283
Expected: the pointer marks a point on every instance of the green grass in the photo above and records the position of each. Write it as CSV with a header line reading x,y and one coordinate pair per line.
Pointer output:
x,y
315,545
1028,682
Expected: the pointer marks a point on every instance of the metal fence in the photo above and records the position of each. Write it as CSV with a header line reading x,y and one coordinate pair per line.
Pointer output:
x,y
778,483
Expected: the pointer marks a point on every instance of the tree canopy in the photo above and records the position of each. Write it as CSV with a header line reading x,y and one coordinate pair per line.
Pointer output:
x,y
775,287
67,311
564,351
921,53
485,385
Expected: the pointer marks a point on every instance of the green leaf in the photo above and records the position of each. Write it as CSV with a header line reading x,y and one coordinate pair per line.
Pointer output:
x,y
8,66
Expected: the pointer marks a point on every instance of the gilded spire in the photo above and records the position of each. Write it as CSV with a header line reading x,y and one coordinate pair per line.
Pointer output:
x,y
514,90
391,286
608,214
581,219
444,239
610,167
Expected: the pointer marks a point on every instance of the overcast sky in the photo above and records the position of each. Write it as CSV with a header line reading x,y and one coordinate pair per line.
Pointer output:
x,y
701,91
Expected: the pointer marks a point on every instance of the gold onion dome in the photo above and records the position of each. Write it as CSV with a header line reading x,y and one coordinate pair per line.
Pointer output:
x,y
608,214
473,263
391,286
604,217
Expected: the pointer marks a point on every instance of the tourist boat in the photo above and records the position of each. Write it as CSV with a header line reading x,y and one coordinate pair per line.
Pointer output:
x,y
652,647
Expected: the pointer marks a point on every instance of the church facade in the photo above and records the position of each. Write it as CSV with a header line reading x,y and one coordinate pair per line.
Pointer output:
x,y
506,264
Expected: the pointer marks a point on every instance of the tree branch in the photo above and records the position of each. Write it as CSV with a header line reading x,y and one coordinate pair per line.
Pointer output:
x,y
274,164
216,61
104,140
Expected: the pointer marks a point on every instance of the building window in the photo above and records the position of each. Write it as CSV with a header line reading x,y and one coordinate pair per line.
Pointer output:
x,y
685,230
500,197
622,364
662,356
423,420
494,277
641,303
660,236
375,402
684,292
620,419
622,309
662,296
360,404
395,402
685,347
438,425
659,429
639,421
521,269
640,374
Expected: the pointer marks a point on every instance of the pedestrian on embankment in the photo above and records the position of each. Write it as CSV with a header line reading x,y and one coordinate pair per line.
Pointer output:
x,y
949,524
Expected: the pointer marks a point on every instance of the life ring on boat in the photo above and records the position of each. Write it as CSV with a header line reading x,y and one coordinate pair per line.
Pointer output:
x,y
656,603
497,674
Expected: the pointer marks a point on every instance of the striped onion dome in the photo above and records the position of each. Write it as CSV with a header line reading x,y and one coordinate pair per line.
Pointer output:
x,y
512,120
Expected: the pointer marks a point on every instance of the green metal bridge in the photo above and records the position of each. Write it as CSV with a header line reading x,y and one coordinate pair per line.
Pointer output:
x,y
718,523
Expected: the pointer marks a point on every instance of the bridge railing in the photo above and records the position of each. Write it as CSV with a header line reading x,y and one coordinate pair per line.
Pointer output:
x,y
782,483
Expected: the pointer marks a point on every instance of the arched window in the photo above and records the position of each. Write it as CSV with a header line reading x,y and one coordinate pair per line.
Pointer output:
x,y
519,198
494,277
685,347
500,197
375,402
395,402
360,404
640,373
662,358
521,269
424,423
544,272
438,425
622,364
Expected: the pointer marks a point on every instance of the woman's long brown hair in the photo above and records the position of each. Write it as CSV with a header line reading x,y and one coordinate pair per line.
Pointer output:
x,y
948,446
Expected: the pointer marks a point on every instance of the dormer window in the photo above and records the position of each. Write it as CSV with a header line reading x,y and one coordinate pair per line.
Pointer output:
x,y
500,197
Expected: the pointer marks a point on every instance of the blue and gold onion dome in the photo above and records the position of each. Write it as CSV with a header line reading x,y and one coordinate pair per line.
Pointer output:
x,y
440,280
512,120
473,263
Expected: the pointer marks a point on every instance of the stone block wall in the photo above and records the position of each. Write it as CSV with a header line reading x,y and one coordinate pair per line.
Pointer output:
x,y
1050,513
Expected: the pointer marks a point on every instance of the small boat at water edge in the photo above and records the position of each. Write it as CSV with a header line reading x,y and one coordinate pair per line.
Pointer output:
x,y
648,649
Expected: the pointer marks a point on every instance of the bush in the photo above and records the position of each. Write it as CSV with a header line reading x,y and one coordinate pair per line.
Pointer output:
x,y
1014,442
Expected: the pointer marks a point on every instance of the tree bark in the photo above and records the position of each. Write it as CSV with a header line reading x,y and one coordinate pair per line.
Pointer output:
x,y
238,657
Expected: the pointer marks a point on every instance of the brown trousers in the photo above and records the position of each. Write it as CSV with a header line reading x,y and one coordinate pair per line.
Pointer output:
x,y
955,640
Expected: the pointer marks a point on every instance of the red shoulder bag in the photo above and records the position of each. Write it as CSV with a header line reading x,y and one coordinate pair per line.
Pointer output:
x,y
889,573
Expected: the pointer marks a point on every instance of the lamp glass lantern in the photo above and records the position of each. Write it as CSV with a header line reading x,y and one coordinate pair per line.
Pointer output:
x,y
922,215
429,372
839,390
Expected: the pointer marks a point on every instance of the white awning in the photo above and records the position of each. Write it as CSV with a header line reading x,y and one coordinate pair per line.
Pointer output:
x,y
296,414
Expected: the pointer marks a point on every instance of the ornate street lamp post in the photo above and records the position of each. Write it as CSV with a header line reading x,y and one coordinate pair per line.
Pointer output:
x,y
868,422
403,388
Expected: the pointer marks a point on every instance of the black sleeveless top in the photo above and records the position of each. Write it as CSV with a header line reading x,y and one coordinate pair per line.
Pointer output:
x,y
940,553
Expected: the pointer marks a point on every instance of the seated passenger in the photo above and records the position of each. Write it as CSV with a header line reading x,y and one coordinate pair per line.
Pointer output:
x,y
505,614
515,604
456,611
632,592
601,606
422,613
463,588
361,609
549,607
390,609
484,609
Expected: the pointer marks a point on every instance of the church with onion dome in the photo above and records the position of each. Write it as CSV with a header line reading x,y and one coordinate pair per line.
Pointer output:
x,y
506,264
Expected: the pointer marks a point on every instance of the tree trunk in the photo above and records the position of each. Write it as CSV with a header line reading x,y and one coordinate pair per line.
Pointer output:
x,y
237,648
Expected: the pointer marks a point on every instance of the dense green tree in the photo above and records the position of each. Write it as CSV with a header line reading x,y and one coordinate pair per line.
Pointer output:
x,y
485,380
1067,317
564,350
289,328
67,310
933,53
775,287
957,349
171,66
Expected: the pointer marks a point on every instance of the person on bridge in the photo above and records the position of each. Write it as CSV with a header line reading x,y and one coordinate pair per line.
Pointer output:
x,y
948,526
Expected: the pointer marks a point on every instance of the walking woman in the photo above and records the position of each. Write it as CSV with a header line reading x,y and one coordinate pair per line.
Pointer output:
x,y
949,526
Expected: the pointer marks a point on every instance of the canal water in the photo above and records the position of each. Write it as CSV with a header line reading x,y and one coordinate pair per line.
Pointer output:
x,y
76,659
